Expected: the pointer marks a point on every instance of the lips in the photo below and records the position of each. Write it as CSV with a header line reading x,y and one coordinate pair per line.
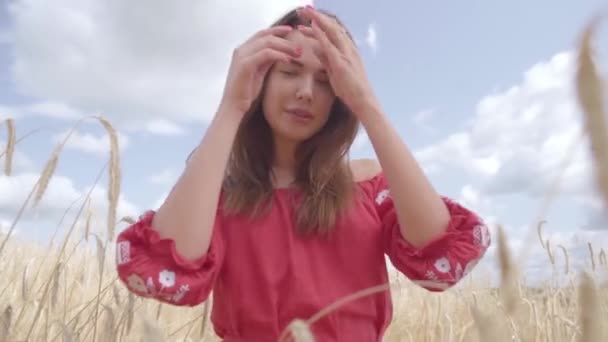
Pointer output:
x,y
301,113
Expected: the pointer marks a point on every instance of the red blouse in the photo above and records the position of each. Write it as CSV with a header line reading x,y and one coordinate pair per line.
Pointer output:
x,y
263,275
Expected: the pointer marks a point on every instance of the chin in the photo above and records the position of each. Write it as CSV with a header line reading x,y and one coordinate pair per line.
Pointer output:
x,y
297,137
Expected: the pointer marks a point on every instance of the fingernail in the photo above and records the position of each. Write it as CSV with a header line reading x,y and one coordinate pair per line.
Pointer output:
x,y
310,7
298,50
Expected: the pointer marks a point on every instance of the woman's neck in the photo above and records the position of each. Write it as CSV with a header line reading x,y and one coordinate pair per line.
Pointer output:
x,y
284,163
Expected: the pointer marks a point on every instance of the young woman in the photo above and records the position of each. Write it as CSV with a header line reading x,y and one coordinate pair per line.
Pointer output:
x,y
271,215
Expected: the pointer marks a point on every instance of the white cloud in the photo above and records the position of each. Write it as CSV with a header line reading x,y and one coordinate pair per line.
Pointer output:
x,y
160,200
134,60
90,143
517,141
371,39
361,141
166,177
60,194
422,118
20,161
49,109
164,127
516,144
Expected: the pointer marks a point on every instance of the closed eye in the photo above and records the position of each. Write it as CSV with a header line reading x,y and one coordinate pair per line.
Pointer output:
x,y
288,72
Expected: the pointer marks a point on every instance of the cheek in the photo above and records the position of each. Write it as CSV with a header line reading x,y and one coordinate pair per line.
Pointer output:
x,y
273,96
325,100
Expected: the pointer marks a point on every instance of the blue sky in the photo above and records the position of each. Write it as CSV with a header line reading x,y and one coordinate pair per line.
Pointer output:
x,y
480,91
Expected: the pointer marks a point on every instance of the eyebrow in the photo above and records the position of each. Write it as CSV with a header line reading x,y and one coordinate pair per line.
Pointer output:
x,y
300,64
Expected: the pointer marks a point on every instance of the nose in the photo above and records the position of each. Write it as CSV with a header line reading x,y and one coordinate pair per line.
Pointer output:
x,y
304,89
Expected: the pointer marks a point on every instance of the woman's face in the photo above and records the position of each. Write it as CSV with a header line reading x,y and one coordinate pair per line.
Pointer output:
x,y
298,96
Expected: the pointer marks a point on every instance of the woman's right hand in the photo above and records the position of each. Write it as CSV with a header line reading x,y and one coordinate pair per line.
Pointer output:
x,y
250,63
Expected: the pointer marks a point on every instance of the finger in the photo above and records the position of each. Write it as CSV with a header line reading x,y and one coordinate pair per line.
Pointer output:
x,y
276,43
328,25
331,53
263,59
279,31
307,31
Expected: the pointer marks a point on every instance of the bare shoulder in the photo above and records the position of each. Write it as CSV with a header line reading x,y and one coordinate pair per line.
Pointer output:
x,y
364,169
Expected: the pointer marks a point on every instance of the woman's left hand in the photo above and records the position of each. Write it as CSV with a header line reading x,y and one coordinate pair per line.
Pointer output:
x,y
344,65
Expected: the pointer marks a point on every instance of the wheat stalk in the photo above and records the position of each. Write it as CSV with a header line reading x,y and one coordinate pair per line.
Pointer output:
x,y
151,332
590,311
87,226
539,230
5,323
590,94
60,253
114,172
128,219
508,284
101,253
115,175
18,140
550,252
591,255
55,286
107,334
10,145
567,259
328,309
602,258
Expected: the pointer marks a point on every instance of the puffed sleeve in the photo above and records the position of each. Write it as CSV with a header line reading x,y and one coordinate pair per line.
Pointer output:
x,y
151,267
442,262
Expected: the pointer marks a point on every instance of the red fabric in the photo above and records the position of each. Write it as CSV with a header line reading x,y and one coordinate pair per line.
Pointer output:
x,y
263,275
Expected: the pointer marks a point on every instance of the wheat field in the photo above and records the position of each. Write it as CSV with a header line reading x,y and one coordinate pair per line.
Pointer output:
x,y
64,292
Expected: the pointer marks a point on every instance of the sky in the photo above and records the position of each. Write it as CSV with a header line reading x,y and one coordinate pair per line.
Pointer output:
x,y
480,91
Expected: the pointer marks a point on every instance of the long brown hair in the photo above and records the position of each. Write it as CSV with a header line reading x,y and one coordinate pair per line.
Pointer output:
x,y
323,171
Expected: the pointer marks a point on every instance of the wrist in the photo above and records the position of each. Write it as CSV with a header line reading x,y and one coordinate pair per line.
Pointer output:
x,y
370,113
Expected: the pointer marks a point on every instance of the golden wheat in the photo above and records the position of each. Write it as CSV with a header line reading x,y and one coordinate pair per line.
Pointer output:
x,y
590,96
590,311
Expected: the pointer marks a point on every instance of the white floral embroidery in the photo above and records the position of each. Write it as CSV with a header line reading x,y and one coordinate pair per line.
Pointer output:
x,y
481,235
166,278
459,273
123,252
151,286
382,195
136,283
181,293
430,275
443,265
